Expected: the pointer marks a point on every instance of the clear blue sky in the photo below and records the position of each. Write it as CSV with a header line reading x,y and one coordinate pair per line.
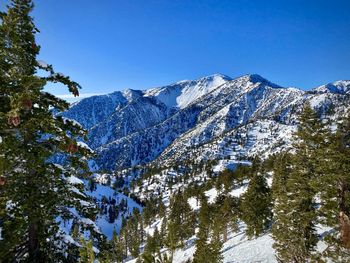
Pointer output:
x,y
109,45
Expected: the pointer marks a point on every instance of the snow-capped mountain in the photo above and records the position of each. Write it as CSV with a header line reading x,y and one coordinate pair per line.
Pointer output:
x,y
179,127
340,87
183,93
237,117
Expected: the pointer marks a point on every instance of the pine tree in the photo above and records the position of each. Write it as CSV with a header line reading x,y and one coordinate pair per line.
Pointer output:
x,y
215,240
134,237
201,252
257,203
172,239
83,251
75,232
152,248
86,251
282,226
295,209
31,135
333,184
180,215
117,250
228,211
163,231
125,236
282,169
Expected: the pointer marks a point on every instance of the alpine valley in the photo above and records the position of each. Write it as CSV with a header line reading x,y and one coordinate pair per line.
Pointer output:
x,y
150,144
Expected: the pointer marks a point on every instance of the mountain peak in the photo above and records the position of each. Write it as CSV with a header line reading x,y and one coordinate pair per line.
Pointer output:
x,y
182,93
338,87
206,78
217,75
256,78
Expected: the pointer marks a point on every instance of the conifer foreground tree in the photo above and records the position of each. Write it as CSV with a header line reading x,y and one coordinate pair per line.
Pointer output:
x,y
333,184
295,208
33,190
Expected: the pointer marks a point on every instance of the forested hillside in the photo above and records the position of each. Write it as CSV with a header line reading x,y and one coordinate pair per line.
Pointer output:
x,y
216,169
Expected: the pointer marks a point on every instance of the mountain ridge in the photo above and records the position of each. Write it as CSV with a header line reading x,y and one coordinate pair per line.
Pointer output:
x,y
132,127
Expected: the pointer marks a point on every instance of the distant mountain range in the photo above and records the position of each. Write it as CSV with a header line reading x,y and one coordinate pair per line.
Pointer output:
x,y
211,117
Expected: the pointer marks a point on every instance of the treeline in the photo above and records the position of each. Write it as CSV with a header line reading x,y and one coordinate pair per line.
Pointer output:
x,y
311,188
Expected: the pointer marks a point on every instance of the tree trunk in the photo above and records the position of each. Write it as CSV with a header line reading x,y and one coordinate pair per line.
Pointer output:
x,y
33,243
344,223
225,233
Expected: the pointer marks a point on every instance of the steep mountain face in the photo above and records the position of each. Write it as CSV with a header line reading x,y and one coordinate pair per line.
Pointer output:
x,y
259,119
338,87
138,114
212,117
91,111
183,93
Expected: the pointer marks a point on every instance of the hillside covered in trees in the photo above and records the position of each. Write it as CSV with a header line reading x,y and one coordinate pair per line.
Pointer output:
x,y
205,171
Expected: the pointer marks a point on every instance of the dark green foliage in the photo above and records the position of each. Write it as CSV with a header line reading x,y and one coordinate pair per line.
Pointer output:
x,y
333,184
225,180
202,246
92,185
256,203
180,215
134,234
31,136
86,251
295,209
208,243
117,252
227,208
152,248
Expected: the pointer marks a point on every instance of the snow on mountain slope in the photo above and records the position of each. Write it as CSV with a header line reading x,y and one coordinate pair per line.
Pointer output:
x,y
102,222
258,138
91,111
136,127
137,115
226,107
237,249
183,93
249,118
339,87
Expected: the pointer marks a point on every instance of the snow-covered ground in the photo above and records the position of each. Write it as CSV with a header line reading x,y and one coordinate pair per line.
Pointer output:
x,y
102,220
237,249
183,93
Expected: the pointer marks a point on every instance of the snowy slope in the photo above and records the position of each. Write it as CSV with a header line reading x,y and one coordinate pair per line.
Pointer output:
x,y
183,93
237,249
101,220
212,118
339,87
170,123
